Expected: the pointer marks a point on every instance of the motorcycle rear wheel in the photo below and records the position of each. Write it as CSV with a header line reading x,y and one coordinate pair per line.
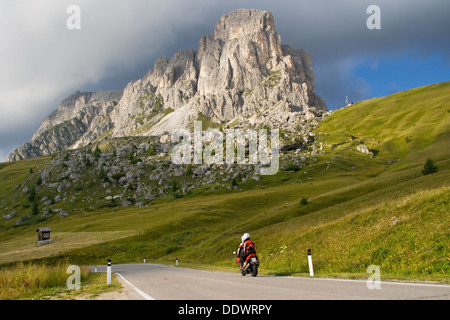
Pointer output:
x,y
254,271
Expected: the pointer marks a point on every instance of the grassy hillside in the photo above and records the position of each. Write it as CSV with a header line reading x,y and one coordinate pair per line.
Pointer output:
x,y
398,125
361,210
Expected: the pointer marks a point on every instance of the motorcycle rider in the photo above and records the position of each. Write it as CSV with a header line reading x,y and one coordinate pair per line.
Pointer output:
x,y
246,248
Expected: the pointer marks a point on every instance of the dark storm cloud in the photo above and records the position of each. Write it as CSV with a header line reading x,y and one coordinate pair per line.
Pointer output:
x,y
42,61
335,34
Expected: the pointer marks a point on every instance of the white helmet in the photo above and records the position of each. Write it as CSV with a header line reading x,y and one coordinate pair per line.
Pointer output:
x,y
245,237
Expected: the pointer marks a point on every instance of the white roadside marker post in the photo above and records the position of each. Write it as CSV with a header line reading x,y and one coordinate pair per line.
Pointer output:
x,y
176,260
311,272
108,273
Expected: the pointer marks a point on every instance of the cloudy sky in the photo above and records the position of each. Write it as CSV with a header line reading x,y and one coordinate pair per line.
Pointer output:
x,y
42,61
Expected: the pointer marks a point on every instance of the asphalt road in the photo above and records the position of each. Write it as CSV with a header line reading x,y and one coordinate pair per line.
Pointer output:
x,y
159,282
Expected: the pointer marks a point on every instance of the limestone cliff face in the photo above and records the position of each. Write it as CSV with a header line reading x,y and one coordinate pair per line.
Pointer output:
x,y
81,118
240,75
244,69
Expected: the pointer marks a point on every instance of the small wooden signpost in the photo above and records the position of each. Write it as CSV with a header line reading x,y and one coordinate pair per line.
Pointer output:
x,y
43,236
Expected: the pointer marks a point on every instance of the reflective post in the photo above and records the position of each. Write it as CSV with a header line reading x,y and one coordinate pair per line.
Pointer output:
x,y
108,273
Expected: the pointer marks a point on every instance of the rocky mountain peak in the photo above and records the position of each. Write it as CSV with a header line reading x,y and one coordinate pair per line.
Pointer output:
x,y
240,75
243,22
238,54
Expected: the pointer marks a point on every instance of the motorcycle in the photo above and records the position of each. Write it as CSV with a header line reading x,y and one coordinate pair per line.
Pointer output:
x,y
250,266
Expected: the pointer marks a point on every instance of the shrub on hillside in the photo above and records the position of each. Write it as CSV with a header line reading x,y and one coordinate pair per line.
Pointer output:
x,y
429,167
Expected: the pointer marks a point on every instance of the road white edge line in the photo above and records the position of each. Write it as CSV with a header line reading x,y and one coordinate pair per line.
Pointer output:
x,y
142,293
381,282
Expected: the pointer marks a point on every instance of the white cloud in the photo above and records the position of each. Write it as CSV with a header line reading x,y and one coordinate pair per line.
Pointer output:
x,y
42,61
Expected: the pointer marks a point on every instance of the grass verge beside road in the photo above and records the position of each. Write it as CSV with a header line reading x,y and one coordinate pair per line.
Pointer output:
x,y
42,282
